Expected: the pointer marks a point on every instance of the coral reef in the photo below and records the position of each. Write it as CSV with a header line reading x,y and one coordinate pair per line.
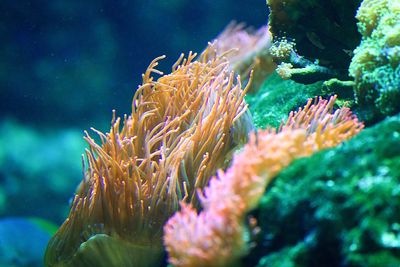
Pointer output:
x,y
336,208
182,128
293,66
180,175
375,65
217,235
322,30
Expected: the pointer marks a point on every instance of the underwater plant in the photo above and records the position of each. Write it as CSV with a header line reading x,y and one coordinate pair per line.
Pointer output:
x,y
217,236
183,127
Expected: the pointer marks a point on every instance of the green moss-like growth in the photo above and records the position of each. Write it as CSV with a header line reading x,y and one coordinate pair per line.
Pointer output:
x,y
277,97
339,207
375,65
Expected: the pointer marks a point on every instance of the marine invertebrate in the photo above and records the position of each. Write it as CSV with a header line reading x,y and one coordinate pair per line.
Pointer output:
x,y
182,128
217,235
246,50
375,65
293,66
341,199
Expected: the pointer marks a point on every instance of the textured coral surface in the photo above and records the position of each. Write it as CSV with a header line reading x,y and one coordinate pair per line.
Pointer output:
x,y
344,199
323,30
375,65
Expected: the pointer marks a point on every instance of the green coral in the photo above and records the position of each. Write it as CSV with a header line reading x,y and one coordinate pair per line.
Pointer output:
x,y
375,65
338,207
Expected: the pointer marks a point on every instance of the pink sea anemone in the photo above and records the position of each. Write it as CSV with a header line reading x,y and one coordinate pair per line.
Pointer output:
x,y
217,236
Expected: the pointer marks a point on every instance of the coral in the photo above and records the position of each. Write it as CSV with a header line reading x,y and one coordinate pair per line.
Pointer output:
x,y
336,208
306,74
182,128
217,235
375,65
282,50
246,50
323,30
343,89
293,66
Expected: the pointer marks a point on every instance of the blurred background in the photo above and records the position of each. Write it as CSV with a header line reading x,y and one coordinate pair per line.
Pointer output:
x,y
65,64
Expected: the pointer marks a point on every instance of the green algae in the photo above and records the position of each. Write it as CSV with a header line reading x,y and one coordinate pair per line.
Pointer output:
x,y
277,97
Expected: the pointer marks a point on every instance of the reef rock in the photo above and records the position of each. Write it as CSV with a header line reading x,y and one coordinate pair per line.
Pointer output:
x,y
323,30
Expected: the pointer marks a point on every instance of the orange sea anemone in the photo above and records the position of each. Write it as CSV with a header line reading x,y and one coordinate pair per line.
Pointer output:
x,y
182,128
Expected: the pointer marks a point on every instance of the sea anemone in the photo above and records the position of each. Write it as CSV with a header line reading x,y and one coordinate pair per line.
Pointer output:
x,y
182,128
247,50
217,236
